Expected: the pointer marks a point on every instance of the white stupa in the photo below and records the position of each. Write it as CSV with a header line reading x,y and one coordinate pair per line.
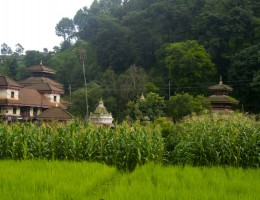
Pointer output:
x,y
101,116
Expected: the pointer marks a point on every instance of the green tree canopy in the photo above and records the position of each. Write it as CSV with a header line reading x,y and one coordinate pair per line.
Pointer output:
x,y
190,66
181,105
244,76
65,28
5,49
152,106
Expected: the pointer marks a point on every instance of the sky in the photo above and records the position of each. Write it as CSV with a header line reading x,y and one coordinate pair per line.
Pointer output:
x,y
32,22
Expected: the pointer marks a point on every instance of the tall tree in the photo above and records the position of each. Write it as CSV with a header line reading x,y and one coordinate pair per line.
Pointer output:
x,y
190,66
19,49
65,28
5,49
244,76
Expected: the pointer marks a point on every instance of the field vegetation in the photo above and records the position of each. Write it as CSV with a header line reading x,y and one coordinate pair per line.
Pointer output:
x,y
43,179
123,146
206,140
215,139
211,156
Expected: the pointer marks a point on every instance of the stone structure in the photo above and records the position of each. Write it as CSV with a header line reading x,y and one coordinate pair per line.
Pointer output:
x,y
101,116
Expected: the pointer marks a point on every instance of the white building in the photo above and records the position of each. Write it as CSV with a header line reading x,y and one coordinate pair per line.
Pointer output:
x,y
101,116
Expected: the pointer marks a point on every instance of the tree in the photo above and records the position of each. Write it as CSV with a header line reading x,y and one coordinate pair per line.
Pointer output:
x,y
95,92
152,106
19,49
33,58
226,27
5,49
131,83
181,105
65,28
244,75
190,67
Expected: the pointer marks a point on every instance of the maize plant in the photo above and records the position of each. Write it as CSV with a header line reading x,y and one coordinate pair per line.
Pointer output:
x,y
215,139
123,146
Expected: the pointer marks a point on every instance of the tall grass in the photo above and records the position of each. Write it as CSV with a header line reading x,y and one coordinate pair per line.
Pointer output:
x,y
124,146
215,139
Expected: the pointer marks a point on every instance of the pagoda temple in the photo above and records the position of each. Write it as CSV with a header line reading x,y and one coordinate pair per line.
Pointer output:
x,y
36,96
220,101
101,116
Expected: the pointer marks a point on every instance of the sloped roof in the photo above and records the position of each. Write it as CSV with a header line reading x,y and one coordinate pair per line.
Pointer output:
x,y
46,87
221,86
30,97
55,113
37,80
41,68
8,82
223,99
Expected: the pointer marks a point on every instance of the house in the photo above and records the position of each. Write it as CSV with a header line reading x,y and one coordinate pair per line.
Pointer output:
x,y
28,98
220,101
101,116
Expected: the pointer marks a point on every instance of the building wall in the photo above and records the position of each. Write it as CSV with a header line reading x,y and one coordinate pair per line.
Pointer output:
x,y
51,97
6,93
8,111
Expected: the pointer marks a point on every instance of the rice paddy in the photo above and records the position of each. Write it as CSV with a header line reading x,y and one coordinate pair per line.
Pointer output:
x,y
41,179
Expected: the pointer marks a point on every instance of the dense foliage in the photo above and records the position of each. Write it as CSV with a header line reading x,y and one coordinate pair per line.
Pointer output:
x,y
161,46
181,105
215,139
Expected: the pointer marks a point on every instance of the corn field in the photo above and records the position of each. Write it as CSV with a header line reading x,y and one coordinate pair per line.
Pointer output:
x,y
123,146
215,139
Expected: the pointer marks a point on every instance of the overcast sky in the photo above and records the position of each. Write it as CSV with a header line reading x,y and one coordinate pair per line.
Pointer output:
x,y
32,22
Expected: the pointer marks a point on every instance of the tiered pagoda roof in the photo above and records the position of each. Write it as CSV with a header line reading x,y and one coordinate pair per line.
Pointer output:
x,y
220,100
40,69
37,80
7,82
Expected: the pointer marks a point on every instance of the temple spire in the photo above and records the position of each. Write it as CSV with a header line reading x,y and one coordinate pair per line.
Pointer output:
x,y
220,80
142,97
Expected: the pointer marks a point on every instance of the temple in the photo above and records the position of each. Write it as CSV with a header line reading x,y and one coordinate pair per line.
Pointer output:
x,y
101,116
220,101
29,98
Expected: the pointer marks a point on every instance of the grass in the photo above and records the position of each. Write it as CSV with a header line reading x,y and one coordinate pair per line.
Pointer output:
x,y
38,179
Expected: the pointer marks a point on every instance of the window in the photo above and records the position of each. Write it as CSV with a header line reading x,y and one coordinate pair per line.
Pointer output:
x,y
55,98
12,94
14,110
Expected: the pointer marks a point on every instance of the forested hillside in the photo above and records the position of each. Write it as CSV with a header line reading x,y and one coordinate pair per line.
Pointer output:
x,y
161,46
